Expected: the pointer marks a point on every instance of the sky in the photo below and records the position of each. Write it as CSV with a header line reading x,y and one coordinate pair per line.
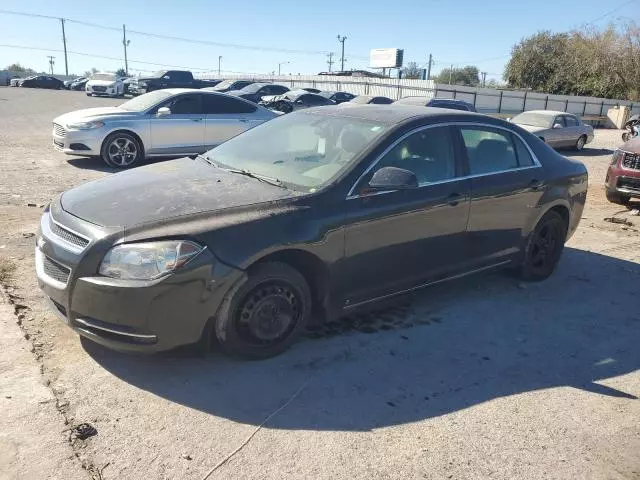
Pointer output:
x,y
295,34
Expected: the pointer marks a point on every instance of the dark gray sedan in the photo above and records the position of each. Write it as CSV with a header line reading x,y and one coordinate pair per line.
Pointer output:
x,y
558,129
303,218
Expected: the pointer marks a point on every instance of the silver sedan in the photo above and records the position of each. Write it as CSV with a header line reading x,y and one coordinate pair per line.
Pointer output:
x,y
164,123
558,129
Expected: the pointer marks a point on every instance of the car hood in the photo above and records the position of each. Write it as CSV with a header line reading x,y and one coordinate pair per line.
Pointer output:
x,y
103,83
531,128
165,190
92,114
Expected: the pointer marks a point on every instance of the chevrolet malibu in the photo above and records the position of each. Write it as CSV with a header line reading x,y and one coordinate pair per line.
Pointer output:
x,y
304,218
162,123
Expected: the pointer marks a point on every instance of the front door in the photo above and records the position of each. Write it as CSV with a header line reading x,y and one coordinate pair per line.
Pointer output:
x,y
226,117
506,186
182,131
556,136
397,240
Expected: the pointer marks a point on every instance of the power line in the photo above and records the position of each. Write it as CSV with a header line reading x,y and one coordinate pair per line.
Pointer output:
x,y
600,17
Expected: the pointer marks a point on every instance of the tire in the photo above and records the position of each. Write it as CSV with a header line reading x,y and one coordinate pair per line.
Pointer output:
x,y
88,94
626,136
245,325
544,247
121,150
617,198
582,141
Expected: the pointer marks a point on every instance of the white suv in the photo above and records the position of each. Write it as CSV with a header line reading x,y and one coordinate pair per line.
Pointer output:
x,y
108,84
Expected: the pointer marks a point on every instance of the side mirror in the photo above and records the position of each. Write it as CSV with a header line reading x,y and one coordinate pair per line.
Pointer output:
x,y
299,101
164,111
509,119
557,125
392,178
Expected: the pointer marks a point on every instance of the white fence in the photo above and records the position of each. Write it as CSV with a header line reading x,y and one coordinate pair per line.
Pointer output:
x,y
486,100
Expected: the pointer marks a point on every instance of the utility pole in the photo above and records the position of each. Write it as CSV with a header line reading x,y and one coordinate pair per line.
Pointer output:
x,y
341,40
219,61
51,62
64,44
450,73
280,65
330,62
125,43
429,67
484,78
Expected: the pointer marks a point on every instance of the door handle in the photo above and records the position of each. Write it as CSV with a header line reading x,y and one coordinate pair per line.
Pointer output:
x,y
536,184
454,199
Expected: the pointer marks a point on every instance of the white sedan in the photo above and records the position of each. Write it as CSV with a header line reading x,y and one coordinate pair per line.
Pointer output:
x,y
163,123
105,84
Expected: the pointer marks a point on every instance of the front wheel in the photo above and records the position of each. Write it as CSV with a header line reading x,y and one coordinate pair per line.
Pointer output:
x,y
544,247
263,314
121,150
617,198
88,94
582,141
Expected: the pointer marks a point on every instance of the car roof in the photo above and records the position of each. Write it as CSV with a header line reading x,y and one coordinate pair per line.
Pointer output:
x,y
549,112
393,114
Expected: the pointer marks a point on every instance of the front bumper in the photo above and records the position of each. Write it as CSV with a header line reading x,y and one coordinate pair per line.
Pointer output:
x,y
125,315
98,90
77,142
623,180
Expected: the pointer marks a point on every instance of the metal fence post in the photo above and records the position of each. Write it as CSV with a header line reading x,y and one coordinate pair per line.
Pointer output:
x,y
601,108
454,93
546,102
475,97
566,105
500,102
524,102
584,109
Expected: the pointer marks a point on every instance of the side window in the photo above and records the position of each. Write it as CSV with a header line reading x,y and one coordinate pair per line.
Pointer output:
x,y
488,150
427,153
278,89
223,104
560,119
314,100
184,105
381,101
571,121
524,157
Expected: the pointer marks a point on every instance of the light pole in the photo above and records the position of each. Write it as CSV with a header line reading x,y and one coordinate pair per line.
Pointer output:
x,y
341,40
51,62
219,60
280,65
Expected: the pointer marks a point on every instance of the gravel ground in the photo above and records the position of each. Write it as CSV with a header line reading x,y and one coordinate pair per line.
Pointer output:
x,y
482,378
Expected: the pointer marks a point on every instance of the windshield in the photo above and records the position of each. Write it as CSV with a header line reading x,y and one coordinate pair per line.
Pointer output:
x,y
303,151
146,101
533,119
223,84
253,88
158,74
104,76
361,99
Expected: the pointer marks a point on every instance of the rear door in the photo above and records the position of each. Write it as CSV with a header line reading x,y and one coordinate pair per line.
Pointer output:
x,y
506,186
572,131
226,117
396,240
180,132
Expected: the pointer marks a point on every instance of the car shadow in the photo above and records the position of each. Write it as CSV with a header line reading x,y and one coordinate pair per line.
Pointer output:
x,y
97,164
469,342
587,152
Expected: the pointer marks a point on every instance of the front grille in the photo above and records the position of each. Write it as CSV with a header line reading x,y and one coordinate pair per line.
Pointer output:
x,y
59,307
631,161
59,130
54,270
98,88
629,183
68,236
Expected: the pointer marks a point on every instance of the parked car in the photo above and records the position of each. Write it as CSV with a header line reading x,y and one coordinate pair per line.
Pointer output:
x,y
105,84
78,83
294,100
558,129
256,91
42,81
308,216
622,182
338,97
230,85
450,103
366,100
168,79
15,82
165,122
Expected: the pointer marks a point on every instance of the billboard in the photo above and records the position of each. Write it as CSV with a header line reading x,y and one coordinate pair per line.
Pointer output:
x,y
386,58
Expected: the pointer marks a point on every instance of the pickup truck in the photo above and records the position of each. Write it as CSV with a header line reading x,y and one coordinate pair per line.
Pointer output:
x,y
168,79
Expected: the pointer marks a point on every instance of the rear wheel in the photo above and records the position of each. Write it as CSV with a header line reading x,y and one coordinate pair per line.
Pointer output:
x,y
263,314
615,197
582,141
544,247
121,150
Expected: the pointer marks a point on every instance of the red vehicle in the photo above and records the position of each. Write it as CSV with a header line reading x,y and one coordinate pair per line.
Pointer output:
x,y
623,177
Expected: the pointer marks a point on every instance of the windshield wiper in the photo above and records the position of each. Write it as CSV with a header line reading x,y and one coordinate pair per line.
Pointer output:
x,y
262,178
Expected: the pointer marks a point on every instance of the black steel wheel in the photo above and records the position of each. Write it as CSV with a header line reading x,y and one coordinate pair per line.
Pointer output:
x,y
263,314
544,247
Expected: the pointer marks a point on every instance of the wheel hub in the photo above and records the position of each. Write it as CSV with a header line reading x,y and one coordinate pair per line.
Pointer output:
x,y
268,314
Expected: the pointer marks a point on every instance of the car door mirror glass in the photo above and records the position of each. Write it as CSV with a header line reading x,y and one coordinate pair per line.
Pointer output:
x,y
557,125
164,111
393,178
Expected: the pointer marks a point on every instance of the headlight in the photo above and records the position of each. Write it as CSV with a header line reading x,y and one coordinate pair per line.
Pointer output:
x,y
147,261
85,125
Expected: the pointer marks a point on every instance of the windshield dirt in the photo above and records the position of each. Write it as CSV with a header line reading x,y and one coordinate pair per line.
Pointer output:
x,y
146,101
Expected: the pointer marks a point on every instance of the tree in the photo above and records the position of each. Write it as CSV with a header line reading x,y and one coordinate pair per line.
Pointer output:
x,y
468,76
91,72
412,71
121,73
19,69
